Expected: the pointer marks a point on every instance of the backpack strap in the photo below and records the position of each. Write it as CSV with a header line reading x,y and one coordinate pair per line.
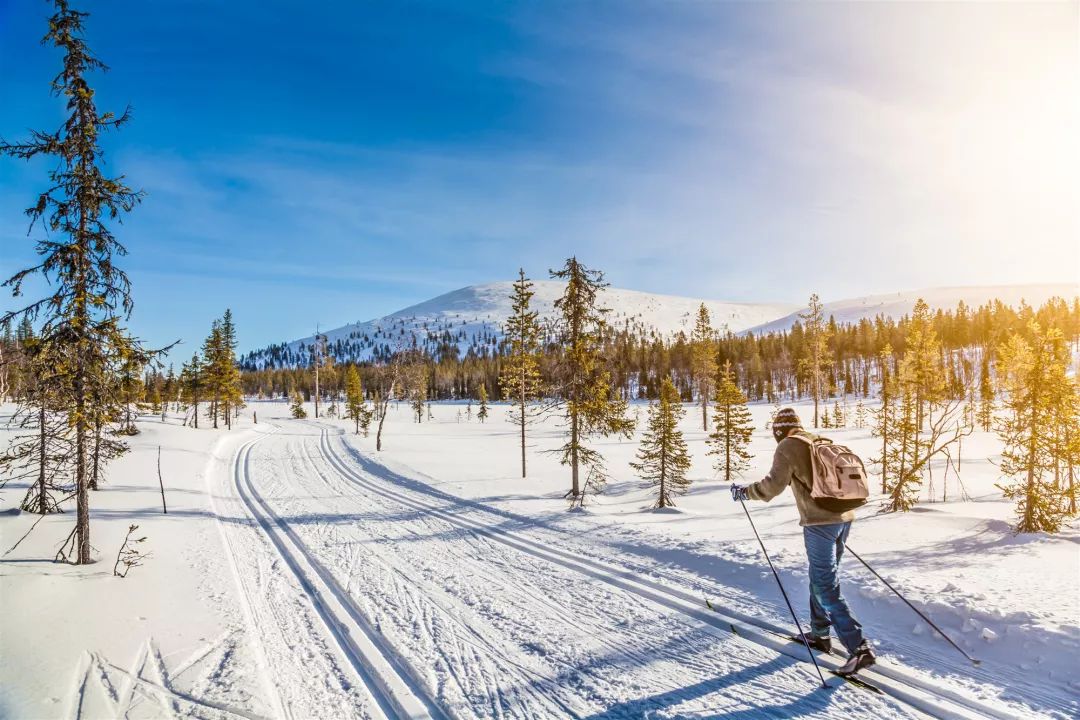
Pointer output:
x,y
808,440
809,483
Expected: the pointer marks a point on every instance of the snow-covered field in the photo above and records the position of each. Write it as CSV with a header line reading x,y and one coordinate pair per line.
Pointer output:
x,y
300,574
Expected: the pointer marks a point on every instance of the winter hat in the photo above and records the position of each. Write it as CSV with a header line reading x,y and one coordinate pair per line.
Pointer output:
x,y
785,421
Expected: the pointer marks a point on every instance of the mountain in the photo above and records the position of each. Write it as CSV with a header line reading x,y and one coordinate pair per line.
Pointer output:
x,y
896,305
472,318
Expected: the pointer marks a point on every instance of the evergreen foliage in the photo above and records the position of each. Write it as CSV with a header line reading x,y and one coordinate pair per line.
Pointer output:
x,y
663,458
482,411
703,361
815,359
356,408
296,406
1036,391
520,375
192,383
732,427
926,418
589,404
80,322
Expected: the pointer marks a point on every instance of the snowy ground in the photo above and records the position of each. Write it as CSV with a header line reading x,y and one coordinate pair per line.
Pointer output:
x,y
299,574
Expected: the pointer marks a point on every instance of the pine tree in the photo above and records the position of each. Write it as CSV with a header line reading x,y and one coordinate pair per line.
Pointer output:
x,y
986,394
81,320
192,383
296,407
1032,374
925,423
816,359
885,417
838,416
703,361
482,412
520,376
213,353
590,405
860,414
416,387
663,458
922,356
733,427
227,373
356,407
129,389
42,455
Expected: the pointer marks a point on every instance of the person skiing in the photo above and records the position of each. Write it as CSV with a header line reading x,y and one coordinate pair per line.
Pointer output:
x,y
825,533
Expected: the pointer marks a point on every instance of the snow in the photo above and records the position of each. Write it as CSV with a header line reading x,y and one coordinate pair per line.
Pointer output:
x,y
472,318
299,573
896,305
476,314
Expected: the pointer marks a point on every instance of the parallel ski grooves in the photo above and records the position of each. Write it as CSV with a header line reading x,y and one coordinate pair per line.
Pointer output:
x,y
938,702
377,665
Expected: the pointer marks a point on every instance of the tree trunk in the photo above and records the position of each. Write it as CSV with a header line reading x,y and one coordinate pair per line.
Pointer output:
x,y
82,493
575,488
96,460
43,506
522,418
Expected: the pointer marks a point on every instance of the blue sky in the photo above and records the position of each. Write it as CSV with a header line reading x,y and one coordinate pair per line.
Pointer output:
x,y
331,162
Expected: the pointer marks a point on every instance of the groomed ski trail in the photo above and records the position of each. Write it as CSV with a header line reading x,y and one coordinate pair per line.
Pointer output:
x,y
476,624
893,680
391,685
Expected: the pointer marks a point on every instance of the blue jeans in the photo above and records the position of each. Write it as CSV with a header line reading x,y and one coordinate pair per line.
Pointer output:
x,y
824,548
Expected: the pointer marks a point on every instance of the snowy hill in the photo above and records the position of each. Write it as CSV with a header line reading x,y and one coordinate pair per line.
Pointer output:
x,y
472,318
896,305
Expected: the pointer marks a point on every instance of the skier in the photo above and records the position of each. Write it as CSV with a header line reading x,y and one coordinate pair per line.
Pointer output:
x,y
824,533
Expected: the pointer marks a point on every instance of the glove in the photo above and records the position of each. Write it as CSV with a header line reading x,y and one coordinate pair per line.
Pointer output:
x,y
739,492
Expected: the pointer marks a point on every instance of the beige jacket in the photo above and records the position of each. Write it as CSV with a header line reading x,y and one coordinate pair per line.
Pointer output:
x,y
791,466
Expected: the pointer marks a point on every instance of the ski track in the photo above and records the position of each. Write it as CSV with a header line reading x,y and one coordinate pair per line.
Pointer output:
x,y
305,674
478,628
973,693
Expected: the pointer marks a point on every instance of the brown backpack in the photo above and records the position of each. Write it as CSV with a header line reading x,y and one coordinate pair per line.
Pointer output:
x,y
839,483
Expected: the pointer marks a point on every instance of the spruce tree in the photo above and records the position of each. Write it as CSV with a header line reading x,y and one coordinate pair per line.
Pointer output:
x,y
520,376
213,353
296,406
192,383
816,359
860,414
81,320
589,405
663,458
703,361
1032,374
42,454
985,414
482,412
227,372
732,427
885,417
356,407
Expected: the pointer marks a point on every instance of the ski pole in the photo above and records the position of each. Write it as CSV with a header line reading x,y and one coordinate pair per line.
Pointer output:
x,y
917,611
784,593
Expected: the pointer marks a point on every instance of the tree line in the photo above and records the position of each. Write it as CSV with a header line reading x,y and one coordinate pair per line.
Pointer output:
x,y
936,377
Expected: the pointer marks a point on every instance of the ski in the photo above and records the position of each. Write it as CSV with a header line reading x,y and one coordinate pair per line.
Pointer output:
x,y
852,679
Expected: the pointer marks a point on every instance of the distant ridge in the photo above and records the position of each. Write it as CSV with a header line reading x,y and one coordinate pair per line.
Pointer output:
x,y
896,305
471,318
